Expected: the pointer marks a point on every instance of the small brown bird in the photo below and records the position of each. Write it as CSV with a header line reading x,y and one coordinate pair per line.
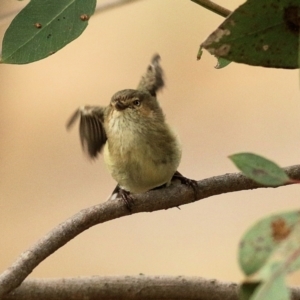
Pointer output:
x,y
140,150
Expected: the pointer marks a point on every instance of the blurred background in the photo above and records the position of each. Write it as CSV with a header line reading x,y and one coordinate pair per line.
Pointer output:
x,y
45,178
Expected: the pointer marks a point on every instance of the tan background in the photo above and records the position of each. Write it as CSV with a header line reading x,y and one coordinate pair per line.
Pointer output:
x,y
44,177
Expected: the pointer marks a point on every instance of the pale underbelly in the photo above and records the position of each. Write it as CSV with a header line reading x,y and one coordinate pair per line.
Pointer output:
x,y
138,172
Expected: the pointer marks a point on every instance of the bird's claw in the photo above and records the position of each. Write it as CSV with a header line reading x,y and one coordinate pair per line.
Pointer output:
x,y
127,199
125,196
187,181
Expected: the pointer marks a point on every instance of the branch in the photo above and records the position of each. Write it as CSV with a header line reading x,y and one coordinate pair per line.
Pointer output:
x,y
174,196
129,287
222,11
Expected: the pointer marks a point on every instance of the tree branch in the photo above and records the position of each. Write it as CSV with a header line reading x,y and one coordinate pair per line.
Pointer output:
x,y
129,287
125,287
175,195
222,11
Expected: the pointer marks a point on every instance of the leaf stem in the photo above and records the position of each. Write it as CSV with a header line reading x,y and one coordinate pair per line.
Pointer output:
x,y
222,11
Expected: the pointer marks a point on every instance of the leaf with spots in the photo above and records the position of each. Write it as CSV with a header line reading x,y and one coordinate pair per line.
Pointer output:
x,y
268,251
259,33
263,238
270,290
44,27
260,169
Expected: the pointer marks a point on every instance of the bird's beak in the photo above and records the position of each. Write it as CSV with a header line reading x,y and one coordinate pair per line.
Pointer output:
x,y
119,105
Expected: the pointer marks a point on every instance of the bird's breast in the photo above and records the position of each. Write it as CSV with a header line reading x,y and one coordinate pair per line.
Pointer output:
x,y
137,157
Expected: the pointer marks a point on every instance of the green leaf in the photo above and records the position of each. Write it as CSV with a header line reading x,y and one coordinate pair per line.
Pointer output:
x,y
247,289
273,289
260,33
268,252
270,290
260,169
43,27
222,63
277,236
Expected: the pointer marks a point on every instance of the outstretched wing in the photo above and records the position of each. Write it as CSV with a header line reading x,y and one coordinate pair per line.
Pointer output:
x,y
91,129
153,79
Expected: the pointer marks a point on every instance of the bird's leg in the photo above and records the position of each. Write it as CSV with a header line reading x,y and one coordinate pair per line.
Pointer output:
x,y
187,181
125,196
116,190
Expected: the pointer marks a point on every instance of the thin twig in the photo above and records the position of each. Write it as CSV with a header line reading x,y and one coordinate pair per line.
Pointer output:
x,y
222,11
174,196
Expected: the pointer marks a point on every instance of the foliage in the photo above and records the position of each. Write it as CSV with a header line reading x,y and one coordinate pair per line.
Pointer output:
x,y
268,251
259,33
43,27
260,169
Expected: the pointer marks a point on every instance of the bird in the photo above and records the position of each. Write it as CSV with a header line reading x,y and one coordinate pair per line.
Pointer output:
x,y
140,149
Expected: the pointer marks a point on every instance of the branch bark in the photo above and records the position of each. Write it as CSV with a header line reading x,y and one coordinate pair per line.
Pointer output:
x,y
129,287
174,196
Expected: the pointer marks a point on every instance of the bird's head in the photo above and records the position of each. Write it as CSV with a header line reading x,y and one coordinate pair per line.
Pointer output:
x,y
138,103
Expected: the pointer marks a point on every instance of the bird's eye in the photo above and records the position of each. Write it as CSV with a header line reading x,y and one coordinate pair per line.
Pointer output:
x,y
137,102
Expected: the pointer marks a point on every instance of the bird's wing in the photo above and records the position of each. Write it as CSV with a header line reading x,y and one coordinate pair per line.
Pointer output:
x,y
153,79
91,129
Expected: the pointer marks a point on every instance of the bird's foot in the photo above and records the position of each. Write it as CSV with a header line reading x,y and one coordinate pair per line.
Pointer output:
x,y
125,196
187,181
